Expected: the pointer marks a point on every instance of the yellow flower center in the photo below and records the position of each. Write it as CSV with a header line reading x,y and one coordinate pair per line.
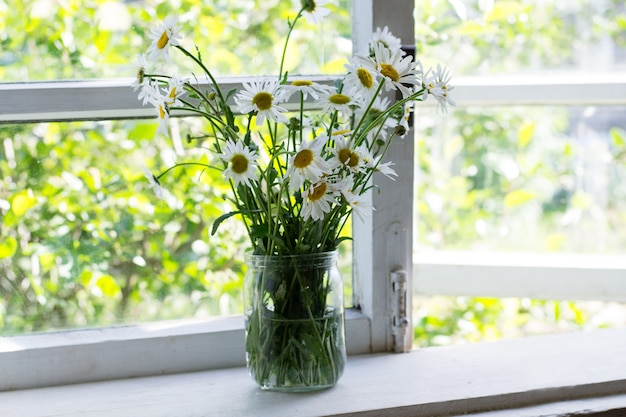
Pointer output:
x,y
263,100
301,83
339,99
365,77
349,158
318,191
172,93
240,163
162,112
390,72
163,40
303,158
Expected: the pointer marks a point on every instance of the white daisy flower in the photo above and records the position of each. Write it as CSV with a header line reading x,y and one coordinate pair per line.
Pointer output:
x,y
148,94
164,36
154,183
142,65
359,203
387,39
373,162
175,90
438,86
314,11
163,114
337,102
242,163
429,84
361,78
395,69
345,155
305,87
386,170
307,164
318,200
262,97
403,125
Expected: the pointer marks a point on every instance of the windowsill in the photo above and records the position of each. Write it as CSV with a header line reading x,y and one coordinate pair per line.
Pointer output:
x,y
566,373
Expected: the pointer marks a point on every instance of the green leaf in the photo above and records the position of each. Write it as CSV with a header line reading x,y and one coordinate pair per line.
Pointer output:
x,y
220,219
518,197
223,217
8,247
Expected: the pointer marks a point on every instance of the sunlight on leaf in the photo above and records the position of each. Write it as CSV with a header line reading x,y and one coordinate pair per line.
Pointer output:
x,y
555,242
518,197
108,286
22,202
525,134
8,247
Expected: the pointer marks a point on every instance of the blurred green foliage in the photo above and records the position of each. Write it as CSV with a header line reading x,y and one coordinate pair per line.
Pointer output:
x,y
85,242
524,179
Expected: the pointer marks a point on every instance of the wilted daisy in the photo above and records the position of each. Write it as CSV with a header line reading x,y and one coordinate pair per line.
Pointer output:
x,y
313,10
336,102
142,65
164,36
361,78
396,70
262,97
307,163
318,200
387,39
241,162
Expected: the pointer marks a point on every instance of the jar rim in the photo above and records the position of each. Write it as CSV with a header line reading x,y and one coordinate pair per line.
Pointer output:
x,y
310,257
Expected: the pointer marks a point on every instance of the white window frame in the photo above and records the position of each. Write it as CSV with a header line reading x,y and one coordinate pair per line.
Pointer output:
x,y
381,247
543,276
70,357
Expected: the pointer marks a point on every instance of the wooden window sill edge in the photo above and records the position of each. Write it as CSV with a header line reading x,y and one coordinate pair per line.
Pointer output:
x,y
569,373
162,348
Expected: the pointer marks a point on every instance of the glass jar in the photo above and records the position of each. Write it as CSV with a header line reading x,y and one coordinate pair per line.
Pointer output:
x,y
295,338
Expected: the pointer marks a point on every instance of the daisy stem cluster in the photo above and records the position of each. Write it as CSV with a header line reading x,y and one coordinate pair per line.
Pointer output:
x,y
296,177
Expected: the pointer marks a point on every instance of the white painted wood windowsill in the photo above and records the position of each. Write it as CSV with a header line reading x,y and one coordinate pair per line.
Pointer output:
x,y
536,376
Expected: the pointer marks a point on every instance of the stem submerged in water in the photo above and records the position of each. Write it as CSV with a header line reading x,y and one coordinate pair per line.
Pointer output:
x,y
294,322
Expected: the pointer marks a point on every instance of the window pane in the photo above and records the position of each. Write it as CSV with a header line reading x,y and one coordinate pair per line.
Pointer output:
x,y
529,179
48,40
86,242
489,37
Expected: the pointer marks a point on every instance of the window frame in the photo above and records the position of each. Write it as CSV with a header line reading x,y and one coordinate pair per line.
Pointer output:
x,y
77,356
542,276
382,246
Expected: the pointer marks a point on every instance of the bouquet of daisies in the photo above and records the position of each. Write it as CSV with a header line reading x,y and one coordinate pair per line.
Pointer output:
x,y
298,156
296,176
